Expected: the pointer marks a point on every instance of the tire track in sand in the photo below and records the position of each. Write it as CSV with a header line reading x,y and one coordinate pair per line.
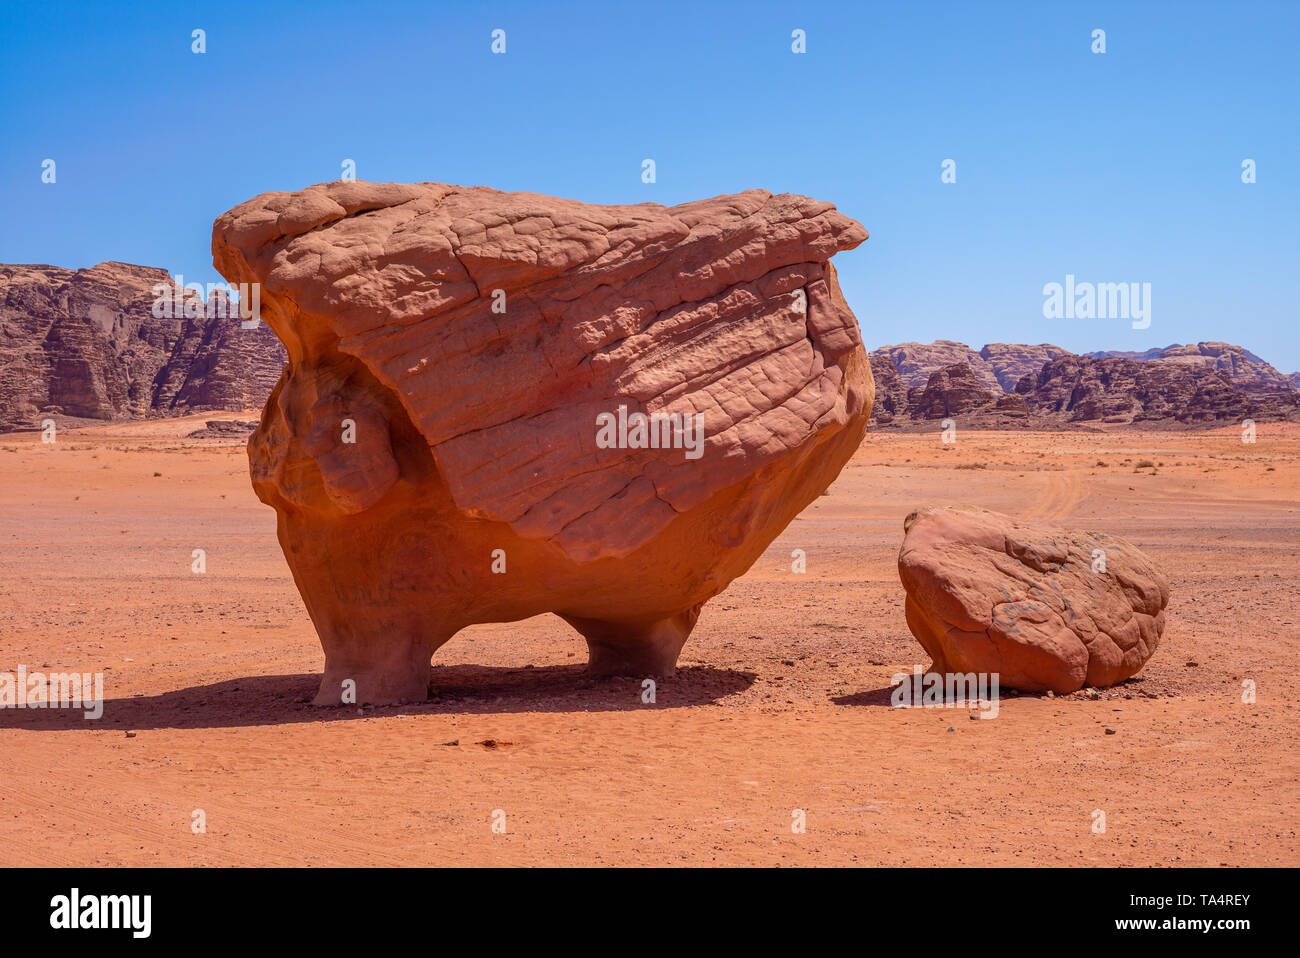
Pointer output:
x,y
1065,490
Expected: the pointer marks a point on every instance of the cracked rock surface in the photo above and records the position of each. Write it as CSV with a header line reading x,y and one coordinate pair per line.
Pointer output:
x,y
1046,608
471,338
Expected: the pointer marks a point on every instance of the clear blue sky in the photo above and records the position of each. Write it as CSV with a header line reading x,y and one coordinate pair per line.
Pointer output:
x,y
1116,167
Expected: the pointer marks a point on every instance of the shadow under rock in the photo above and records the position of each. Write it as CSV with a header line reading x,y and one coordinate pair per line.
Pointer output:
x,y
455,689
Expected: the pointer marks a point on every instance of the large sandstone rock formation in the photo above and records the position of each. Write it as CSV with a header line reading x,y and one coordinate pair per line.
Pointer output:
x,y
1046,608
475,340
85,344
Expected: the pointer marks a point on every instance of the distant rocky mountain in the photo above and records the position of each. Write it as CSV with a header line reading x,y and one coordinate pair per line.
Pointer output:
x,y
1141,357
1250,373
1126,391
1011,362
84,345
997,367
915,363
1046,386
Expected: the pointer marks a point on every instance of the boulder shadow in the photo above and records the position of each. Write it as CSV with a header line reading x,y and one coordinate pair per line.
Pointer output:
x,y
867,698
883,698
1132,687
454,690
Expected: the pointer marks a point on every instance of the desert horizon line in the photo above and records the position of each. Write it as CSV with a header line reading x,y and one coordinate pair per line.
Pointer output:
x,y
870,346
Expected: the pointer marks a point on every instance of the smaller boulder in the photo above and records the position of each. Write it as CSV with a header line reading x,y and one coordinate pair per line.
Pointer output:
x,y
1047,608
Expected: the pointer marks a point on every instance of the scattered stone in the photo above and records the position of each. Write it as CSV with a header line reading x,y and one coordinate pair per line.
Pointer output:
x,y
223,428
1032,602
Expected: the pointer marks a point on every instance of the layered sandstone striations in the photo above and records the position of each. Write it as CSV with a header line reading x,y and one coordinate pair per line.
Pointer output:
x,y
1044,608
85,344
473,341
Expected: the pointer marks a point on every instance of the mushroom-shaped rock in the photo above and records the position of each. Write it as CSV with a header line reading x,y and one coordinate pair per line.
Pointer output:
x,y
1046,608
503,404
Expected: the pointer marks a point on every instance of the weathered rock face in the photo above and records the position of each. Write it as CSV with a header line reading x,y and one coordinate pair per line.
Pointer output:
x,y
891,393
85,344
1012,361
1240,366
917,362
1046,608
219,364
952,391
476,342
1049,388
1076,389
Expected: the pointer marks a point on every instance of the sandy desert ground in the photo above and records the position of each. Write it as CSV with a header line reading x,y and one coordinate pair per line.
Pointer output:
x,y
782,702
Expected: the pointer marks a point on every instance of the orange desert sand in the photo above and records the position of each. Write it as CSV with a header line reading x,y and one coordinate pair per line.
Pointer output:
x,y
782,702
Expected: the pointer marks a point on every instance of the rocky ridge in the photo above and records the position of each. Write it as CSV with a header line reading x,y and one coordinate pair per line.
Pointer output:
x,y
1047,387
84,345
